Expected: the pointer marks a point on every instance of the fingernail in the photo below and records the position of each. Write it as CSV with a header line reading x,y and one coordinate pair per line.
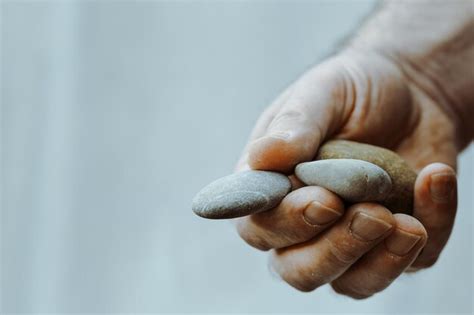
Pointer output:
x,y
442,187
401,243
319,214
368,228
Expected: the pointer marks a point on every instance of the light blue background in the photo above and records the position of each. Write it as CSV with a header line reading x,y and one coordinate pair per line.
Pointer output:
x,y
115,113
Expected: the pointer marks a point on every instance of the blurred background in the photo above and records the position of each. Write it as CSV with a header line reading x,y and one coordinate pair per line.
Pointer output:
x,y
114,114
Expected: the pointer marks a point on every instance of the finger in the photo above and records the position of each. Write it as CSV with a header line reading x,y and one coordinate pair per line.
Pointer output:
x,y
435,207
301,215
345,97
309,265
317,104
378,268
261,126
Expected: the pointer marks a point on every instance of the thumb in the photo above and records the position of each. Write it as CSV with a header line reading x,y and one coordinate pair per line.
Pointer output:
x,y
350,96
316,105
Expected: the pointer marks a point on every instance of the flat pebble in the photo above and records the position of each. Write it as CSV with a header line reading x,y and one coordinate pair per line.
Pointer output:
x,y
241,194
353,180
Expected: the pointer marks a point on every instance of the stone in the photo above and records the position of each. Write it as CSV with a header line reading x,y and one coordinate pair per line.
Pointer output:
x,y
400,198
353,180
241,194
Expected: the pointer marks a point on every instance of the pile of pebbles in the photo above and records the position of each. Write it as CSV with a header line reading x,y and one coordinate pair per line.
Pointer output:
x,y
357,172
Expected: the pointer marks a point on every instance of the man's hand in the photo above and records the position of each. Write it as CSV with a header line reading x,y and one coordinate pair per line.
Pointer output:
x,y
364,96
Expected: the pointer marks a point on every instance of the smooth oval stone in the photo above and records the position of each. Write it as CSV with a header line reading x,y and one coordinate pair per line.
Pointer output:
x,y
400,198
241,194
353,180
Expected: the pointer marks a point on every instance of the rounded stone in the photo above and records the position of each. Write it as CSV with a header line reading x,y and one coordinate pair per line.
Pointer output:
x,y
241,194
353,180
400,198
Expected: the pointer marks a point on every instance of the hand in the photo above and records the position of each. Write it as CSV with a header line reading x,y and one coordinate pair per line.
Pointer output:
x,y
313,238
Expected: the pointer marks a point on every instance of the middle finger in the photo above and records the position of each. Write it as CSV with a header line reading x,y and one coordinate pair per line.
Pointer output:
x,y
309,265
302,214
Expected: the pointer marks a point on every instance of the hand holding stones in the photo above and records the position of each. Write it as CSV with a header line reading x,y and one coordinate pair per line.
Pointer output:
x,y
355,171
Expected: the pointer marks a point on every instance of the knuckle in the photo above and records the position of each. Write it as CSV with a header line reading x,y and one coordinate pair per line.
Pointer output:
x,y
340,256
282,227
378,283
363,285
250,237
302,277
256,242
343,289
425,262
281,153
305,281
302,286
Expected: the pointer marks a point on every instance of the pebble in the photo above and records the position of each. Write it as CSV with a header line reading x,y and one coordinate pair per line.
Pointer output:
x,y
386,178
353,180
400,198
241,194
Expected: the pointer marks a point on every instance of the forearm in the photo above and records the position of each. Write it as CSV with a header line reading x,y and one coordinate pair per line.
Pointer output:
x,y
433,42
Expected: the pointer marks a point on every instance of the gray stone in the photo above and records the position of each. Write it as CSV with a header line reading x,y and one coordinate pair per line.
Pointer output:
x,y
241,194
402,175
353,180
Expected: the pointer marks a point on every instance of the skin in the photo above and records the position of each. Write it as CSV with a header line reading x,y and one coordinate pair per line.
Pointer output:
x,y
395,95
